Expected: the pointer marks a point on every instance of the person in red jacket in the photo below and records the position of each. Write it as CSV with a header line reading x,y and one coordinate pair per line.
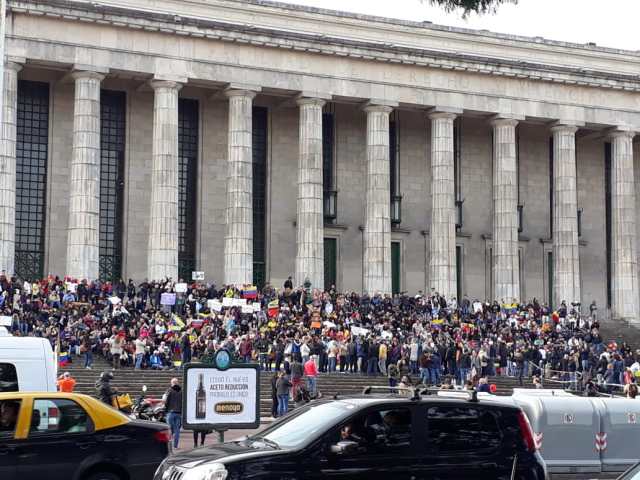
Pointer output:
x,y
311,372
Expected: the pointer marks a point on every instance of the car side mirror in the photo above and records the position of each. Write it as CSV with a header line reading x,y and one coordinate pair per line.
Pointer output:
x,y
343,447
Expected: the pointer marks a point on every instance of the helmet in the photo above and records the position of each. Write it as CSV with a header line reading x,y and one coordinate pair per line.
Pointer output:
x,y
106,376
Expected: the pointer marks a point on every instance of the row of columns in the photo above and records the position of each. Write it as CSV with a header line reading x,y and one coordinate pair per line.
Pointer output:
x,y
84,199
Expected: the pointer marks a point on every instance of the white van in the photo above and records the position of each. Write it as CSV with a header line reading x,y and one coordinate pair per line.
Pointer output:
x,y
27,364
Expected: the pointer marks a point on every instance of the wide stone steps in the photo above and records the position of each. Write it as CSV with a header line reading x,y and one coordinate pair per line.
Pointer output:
x,y
131,381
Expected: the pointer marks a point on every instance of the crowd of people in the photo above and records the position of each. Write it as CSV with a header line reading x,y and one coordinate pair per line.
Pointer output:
x,y
302,332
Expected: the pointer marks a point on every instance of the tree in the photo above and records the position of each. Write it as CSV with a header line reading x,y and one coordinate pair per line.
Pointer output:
x,y
471,6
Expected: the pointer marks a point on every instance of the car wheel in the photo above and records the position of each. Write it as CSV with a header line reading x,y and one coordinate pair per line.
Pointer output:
x,y
103,476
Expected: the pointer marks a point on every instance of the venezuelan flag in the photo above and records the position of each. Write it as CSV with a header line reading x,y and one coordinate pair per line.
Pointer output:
x,y
250,293
176,324
64,358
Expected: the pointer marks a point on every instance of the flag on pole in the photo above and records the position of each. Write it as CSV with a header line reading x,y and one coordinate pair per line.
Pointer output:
x,y
250,293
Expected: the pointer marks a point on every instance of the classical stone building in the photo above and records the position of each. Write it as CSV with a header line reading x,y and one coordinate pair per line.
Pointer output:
x,y
253,140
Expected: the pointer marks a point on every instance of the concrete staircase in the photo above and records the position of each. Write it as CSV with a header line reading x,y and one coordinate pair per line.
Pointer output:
x,y
131,381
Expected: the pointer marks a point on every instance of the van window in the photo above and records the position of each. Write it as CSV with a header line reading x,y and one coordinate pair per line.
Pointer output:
x,y
8,378
461,429
59,416
9,410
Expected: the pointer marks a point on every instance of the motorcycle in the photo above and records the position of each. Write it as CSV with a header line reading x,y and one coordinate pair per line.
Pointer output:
x,y
148,408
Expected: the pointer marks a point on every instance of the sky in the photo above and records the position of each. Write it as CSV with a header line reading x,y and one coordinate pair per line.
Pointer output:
x,y
608,23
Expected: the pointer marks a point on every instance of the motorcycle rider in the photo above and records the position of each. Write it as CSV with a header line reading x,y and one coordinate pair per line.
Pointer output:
x,y
106,392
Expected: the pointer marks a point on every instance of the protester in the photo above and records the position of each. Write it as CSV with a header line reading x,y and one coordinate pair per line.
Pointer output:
x,y
156,325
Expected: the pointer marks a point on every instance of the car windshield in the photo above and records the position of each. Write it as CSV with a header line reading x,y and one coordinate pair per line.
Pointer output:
x,y
633,474
296,430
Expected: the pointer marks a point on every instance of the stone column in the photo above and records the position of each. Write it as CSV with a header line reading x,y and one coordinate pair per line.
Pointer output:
x,y
442,234
566,255
310,215
506,269
84,186
162,259
8,168
238,240
624,258
377,227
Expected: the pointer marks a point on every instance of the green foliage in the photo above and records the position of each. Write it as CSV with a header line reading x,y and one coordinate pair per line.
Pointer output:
x,y
469,6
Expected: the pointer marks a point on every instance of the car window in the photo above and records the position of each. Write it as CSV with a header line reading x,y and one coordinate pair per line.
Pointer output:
x,y
59,416
8,378
295,430
378,431
454,429
9,410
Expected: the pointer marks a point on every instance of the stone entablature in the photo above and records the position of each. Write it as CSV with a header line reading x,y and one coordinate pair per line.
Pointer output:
x,y
142,49
534,59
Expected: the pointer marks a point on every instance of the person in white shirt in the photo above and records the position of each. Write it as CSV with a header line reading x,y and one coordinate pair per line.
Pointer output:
x,y
140,349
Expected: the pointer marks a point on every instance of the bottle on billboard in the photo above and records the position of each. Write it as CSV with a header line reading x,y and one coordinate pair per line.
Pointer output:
x,y
201,399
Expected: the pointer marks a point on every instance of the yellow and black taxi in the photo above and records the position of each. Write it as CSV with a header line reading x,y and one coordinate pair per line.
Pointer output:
x,y
68,436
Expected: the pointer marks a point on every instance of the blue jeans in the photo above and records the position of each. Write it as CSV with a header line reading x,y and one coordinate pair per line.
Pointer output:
x,y
88,358
264,361
332,364
463,372
175,423
424,375
372,366
311,385
283,404
413,367
434,373
139,358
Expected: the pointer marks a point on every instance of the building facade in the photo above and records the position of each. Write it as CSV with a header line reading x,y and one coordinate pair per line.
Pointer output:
x,y
254,140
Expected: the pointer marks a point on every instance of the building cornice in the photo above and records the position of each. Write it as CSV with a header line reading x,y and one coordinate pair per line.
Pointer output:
x,y
263,36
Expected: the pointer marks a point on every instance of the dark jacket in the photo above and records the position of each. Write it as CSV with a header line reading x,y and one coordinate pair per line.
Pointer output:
x,y
282,386
173,402
106,392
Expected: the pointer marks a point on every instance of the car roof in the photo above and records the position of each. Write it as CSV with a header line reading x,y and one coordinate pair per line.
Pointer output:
x,y
454,398
70,396
102,415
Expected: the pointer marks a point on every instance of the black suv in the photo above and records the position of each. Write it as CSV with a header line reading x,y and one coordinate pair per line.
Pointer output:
x,y
372,437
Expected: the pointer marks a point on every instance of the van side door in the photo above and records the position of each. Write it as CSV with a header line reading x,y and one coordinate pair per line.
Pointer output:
x,y
464,441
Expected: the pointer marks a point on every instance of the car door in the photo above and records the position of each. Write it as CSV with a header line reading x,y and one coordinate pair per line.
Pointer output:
x,y
462,441
10,411
60,439
383,447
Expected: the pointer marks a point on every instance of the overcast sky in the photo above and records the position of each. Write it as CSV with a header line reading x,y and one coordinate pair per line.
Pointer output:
x,y
608,23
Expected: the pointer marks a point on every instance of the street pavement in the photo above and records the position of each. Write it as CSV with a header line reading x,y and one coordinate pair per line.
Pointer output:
x,y
186,436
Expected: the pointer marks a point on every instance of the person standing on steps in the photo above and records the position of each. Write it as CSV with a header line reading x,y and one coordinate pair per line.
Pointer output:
x,y
173,404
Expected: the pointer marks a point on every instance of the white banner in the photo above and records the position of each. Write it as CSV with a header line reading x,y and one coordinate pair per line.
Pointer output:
x,y
181,288
197,275
221,397
214,305
359,331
